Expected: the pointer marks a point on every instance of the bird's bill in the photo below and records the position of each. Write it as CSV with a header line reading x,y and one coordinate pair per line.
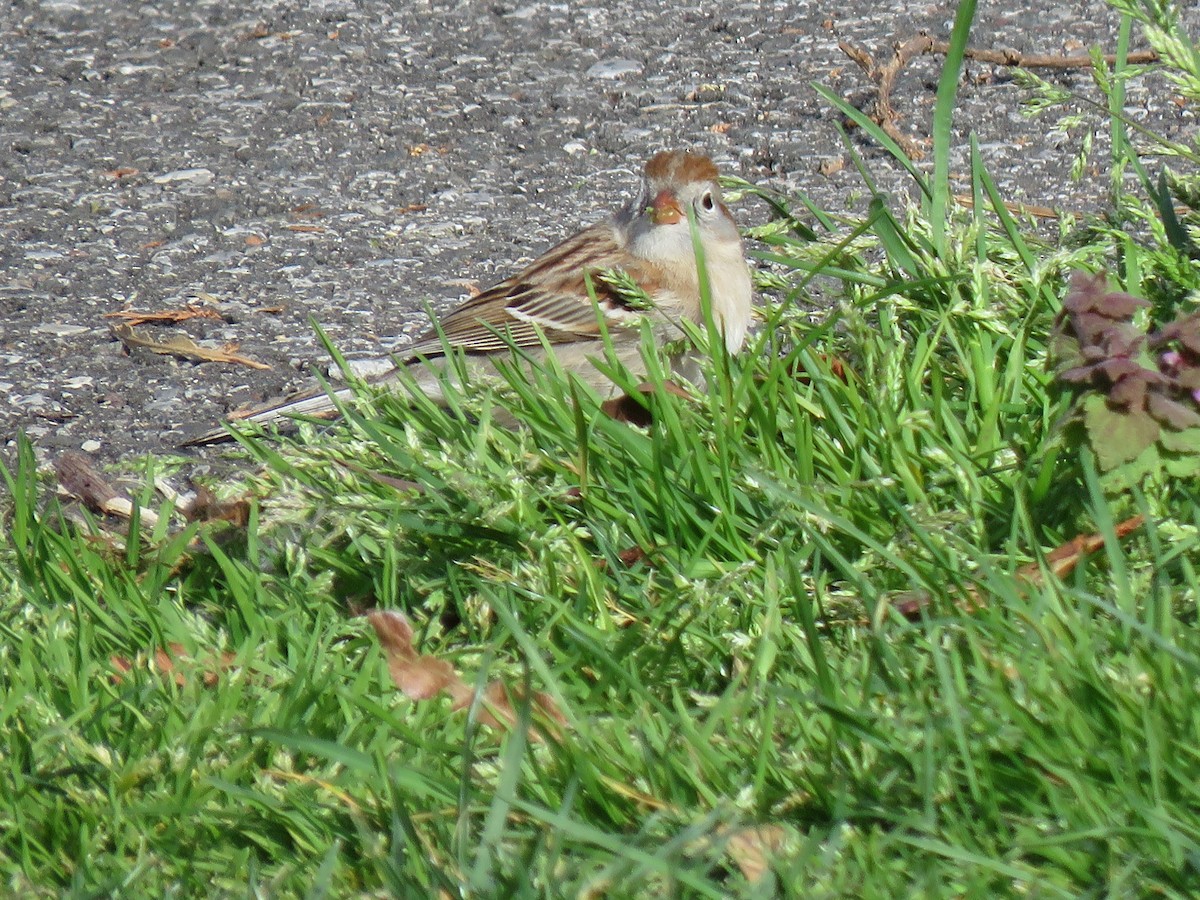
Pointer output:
x,y
665,210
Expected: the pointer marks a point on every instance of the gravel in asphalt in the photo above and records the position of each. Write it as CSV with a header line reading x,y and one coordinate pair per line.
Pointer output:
x,y
351,162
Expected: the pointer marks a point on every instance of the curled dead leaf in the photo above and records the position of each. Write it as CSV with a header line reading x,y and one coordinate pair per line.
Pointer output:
x,y
168,316
184,347
422,676
500,703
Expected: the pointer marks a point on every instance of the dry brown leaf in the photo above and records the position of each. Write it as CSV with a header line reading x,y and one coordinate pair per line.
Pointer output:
x,y
1062,560
628,557
400,484
499,710
307,211
837,369
183,346
55,415
174,662
394,632
751,848
306,229
257,33
1021,209
631,555
471,287
167,316
122,172
422,676
419,676
205,507
831,165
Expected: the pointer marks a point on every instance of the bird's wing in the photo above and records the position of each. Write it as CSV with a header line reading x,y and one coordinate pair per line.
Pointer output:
x,y
550,296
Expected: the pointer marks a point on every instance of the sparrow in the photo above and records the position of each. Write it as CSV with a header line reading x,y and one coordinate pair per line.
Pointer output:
x,y
649,240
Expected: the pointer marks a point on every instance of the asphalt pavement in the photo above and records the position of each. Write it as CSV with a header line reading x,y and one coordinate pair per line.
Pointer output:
x,y
353,162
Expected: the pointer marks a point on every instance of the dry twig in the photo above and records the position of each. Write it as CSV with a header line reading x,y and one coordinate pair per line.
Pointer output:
x,y
884,74
1060,561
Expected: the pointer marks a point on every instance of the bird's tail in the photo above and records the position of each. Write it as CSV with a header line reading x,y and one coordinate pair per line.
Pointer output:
x,y
313,404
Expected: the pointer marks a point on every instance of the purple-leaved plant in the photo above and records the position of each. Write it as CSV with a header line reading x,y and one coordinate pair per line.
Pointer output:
x,y
1137,391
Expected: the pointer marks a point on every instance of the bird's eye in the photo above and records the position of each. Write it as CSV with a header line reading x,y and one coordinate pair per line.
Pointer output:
x,y
707,201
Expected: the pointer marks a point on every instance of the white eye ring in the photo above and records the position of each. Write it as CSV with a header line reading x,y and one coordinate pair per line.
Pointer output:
x,y
707,203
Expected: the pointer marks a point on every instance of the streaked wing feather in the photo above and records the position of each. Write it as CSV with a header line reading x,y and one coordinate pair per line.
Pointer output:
x,y
549,294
